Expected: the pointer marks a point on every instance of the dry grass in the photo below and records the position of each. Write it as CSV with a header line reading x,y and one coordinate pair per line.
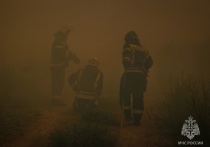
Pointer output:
x,y
186,97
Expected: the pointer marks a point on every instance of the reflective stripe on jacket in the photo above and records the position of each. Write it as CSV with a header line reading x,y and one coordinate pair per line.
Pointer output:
x,y
84,94
136,58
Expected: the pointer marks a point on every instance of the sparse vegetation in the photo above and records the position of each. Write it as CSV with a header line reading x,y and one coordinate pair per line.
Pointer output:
x,y
14,121
186,97
100,117
85,134
96,127
20,101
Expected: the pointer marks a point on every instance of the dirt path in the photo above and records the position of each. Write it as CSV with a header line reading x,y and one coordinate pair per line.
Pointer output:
x,y
38,134
142,136
145,135
55,117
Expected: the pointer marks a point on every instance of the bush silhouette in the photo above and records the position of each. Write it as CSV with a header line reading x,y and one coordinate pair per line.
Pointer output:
x,y
84,134
186,97
100,117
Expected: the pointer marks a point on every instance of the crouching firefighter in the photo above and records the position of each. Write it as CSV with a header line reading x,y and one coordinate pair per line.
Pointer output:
x,y
87,84
60,56
137,62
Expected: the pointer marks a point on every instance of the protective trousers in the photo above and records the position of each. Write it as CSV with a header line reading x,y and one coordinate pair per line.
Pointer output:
x,y
132,88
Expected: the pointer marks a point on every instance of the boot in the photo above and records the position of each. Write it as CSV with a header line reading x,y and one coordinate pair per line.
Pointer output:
x,y
127,114
137,119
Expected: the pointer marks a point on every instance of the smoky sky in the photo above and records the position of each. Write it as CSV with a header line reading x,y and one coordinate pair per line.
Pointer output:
x,y
173,31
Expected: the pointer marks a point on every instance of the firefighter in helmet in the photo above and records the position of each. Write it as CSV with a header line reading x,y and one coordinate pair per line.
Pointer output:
x,y
136,61
87,84
60,56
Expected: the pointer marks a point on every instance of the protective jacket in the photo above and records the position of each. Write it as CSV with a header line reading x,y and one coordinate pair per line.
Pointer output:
x,y
87,82
137,62
136,58
60,55
59,51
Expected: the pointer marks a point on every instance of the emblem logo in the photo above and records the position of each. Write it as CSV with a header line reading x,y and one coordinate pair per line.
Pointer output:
x,y
190,128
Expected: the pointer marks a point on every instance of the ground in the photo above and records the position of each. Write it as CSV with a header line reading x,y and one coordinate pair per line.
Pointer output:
x,y
52,118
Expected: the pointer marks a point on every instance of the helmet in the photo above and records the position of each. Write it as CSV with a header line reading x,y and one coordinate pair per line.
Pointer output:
x,y
66,28
93,61
131,37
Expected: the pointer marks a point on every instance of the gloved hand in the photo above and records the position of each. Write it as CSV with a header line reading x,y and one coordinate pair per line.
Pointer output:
x,y
73,57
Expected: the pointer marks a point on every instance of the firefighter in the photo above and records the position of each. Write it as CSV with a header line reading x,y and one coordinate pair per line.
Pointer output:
x,y
60,56
136,62
87,84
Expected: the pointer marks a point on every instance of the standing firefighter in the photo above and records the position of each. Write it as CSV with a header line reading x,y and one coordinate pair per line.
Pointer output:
x,y
137,62
87,84
60,56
